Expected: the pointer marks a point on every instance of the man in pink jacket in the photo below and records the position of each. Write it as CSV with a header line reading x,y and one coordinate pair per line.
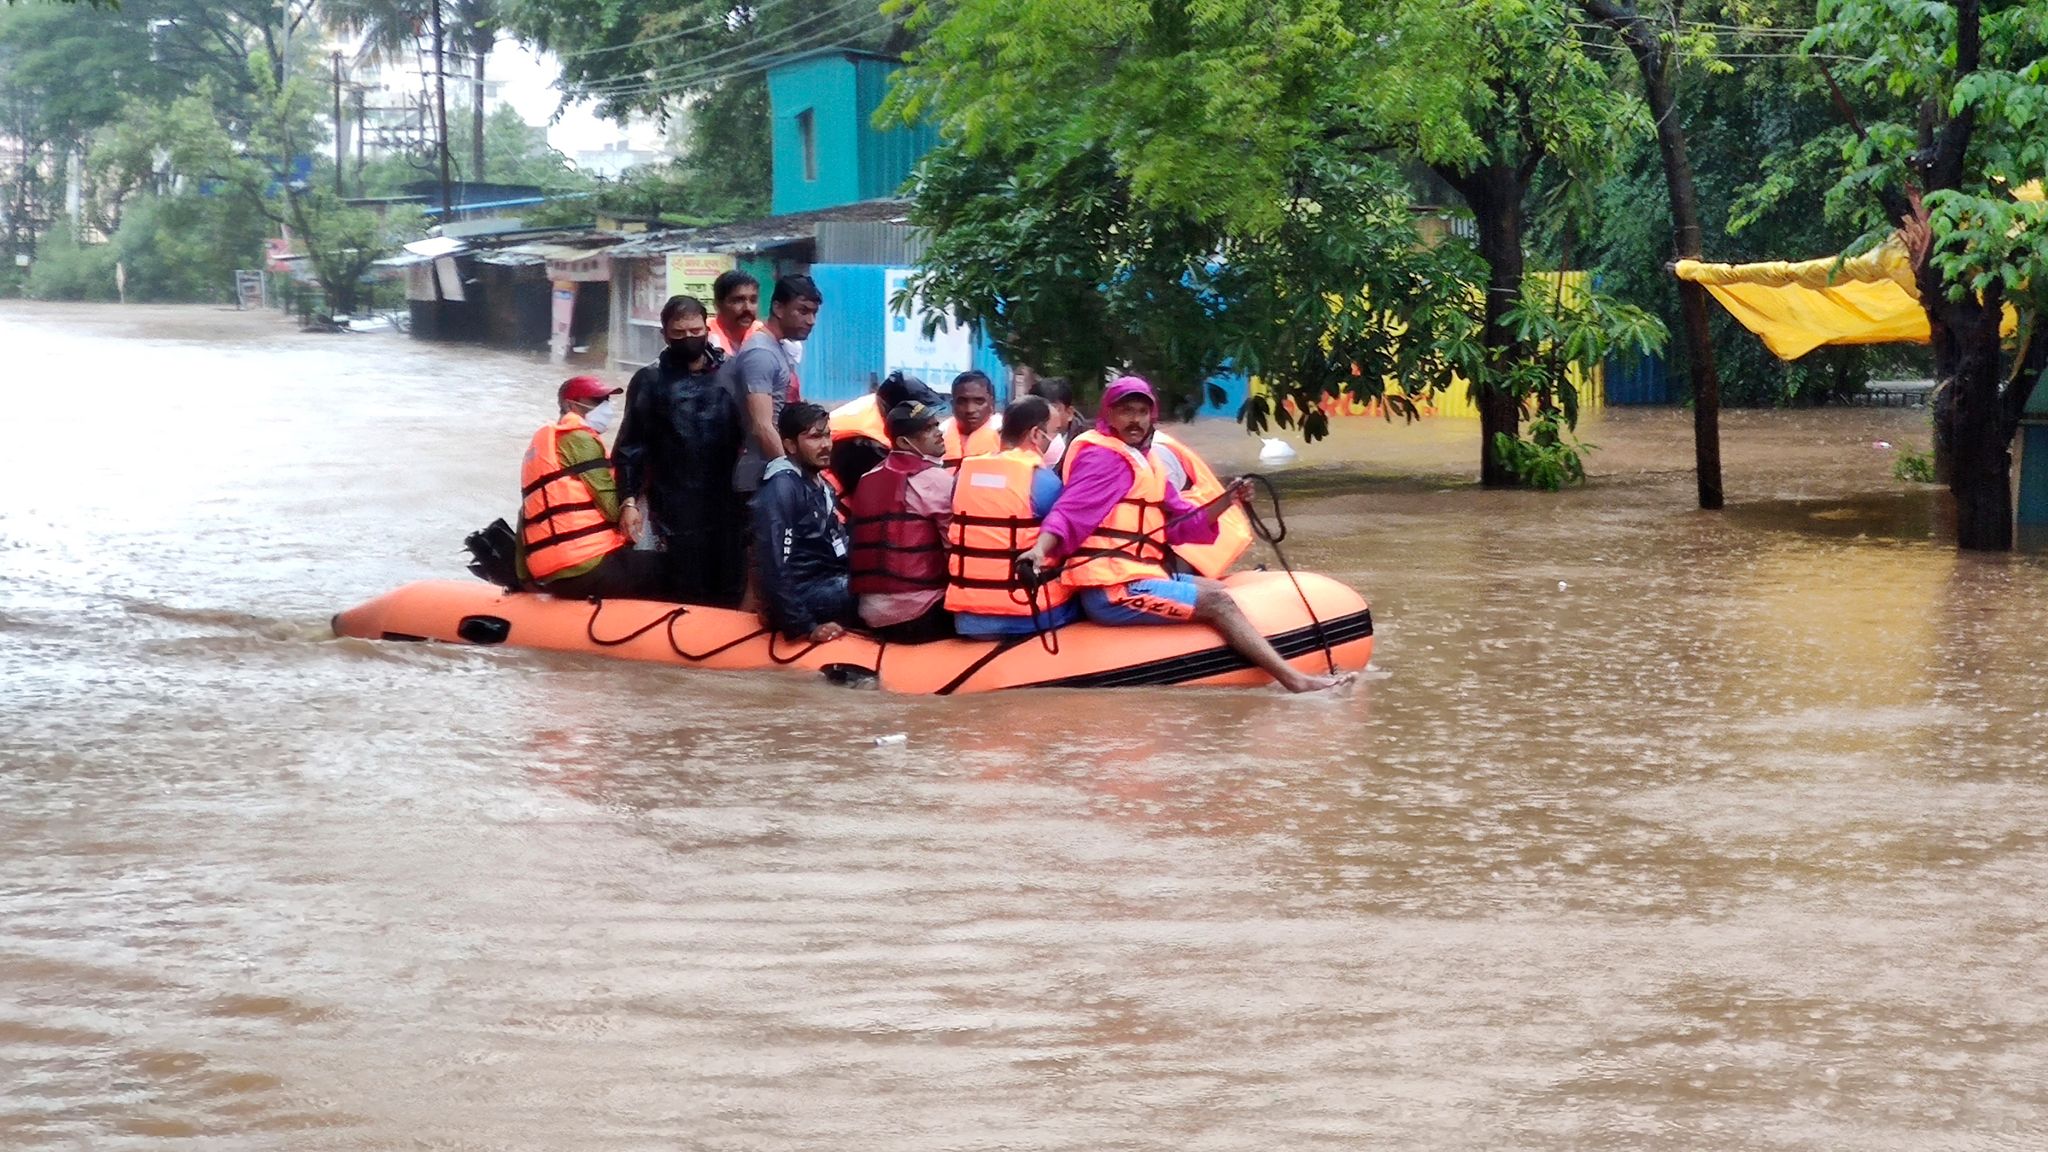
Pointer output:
x,y
1103,480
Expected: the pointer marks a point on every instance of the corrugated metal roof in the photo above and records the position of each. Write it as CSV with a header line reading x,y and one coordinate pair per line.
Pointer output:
x,y
761,234
871,242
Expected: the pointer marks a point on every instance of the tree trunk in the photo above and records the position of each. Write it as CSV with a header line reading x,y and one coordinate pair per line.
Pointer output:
x,y
1494,194
1942,415
1655,63
1982,483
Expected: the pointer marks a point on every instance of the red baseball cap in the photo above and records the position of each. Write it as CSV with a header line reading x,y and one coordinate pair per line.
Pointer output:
x,y
585,388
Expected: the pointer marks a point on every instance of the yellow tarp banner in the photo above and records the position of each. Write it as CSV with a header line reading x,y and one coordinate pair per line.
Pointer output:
x,y
1797,306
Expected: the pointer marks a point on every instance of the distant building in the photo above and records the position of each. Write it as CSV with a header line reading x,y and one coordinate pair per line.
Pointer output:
x,y
612,160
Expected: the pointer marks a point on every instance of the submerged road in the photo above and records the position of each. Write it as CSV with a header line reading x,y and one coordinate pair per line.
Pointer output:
x,y
1661,830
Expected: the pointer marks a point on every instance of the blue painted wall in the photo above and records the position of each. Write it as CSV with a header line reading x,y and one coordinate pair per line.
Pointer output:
x,y
823,86
856,160
845,356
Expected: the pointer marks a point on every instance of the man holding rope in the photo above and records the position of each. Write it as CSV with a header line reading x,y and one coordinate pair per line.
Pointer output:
x,y
1109,531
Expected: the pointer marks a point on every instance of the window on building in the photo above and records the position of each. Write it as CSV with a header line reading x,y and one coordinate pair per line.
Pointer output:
x,y
807,133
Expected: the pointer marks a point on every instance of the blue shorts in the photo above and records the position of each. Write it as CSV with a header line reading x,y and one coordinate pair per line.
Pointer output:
x,y
1153,601
977,625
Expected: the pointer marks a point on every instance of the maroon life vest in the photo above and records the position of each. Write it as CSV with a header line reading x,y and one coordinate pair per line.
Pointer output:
x,y
894,549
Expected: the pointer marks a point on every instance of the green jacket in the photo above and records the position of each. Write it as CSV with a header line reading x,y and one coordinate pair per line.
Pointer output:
x,y
580,448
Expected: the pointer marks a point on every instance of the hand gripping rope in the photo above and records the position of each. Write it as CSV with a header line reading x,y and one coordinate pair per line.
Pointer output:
x,y
1033,578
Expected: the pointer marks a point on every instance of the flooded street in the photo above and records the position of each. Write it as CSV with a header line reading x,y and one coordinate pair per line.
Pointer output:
x,y
1662,829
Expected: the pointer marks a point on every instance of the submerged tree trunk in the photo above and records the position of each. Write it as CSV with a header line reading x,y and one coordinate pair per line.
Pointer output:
x,y
1982,480
1494,193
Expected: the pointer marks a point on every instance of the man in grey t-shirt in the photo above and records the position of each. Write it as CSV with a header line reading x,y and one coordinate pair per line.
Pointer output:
x,y
762,376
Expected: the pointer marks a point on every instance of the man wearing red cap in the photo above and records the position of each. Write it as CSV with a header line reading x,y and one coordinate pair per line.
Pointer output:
x,y
569,539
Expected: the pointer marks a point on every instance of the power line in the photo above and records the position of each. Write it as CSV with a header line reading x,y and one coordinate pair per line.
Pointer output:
x,y
824,38
666,76
753,10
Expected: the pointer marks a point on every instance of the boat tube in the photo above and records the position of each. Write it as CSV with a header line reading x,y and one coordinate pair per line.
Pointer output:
x,y
1080,655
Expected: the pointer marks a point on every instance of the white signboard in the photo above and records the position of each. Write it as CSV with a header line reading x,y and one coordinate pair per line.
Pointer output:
x,y
936,360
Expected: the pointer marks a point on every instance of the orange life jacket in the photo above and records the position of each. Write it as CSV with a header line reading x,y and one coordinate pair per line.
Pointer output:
x,y
559,520
983,441
992,525
723,340
1233,528
1131,543
861,416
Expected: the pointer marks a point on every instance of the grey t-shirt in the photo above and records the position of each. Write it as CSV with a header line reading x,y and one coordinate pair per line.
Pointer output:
x,y
762,368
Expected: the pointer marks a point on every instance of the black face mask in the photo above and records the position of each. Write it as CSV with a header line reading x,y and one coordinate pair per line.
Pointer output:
x,y
689,347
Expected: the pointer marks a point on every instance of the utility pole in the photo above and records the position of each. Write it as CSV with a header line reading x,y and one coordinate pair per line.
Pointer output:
x,y
362,131
340,144
441,114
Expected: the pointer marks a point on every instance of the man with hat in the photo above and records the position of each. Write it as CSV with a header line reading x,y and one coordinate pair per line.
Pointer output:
x,y
898,515
569,538
1108,533
860,427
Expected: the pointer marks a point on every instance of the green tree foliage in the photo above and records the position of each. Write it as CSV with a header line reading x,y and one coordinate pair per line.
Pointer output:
x,y
696,65
1232,182
67,270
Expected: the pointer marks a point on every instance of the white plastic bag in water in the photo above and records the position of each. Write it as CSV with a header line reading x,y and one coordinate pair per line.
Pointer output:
x,y
1277,453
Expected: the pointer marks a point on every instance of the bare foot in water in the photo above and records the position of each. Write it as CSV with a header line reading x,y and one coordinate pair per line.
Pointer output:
x,y
1303,682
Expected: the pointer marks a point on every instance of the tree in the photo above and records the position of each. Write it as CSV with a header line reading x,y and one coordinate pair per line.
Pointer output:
x,y
1976,82
698,65
1657,63
1244,121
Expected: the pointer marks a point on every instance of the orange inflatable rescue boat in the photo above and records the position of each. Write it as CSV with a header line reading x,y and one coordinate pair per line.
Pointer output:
x,y
1085,656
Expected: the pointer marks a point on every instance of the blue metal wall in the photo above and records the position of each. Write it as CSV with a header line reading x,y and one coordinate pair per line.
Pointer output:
x,y
1634,379
845,358
887,154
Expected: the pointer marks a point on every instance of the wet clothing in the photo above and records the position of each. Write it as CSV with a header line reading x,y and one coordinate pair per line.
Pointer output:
x,y
983,441
899,516
761,368
568,503
1169,600
1098,479
676,449
801,550
627,574
991,527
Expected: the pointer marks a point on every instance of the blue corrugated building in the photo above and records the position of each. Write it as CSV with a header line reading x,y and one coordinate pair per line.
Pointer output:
x,y
836,215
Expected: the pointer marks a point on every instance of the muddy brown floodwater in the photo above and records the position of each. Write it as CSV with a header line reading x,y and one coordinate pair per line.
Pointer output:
x,y
1662,829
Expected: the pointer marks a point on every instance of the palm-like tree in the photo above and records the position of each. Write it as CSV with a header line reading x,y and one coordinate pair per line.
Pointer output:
x,y
391,29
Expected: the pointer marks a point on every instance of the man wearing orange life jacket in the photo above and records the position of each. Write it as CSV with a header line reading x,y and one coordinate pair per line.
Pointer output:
x,y
1191,475
736,306
569,539
999,501
860,427
974,429
1111,527
898,516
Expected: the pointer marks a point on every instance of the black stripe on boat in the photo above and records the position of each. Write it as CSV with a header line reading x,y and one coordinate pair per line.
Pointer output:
x,y
1221,659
